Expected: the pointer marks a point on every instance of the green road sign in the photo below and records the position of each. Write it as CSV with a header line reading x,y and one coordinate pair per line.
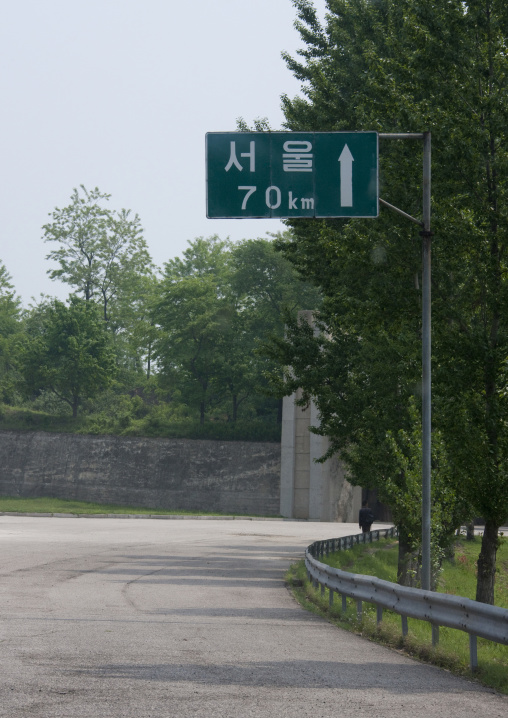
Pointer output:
x,y
292,174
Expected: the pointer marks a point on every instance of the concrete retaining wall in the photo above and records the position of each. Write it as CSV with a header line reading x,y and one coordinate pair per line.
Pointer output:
x,y
196,475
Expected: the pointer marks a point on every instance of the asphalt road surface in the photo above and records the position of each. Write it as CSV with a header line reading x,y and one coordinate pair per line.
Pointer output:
x,y
142,618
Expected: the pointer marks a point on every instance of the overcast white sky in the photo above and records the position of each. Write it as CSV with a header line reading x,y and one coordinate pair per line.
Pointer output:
x,y
119,94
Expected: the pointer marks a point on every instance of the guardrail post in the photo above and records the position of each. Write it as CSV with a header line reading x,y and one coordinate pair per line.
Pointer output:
x,y
379,614
473,653
344,603
404,625
330,597
322,589
359,610
435,634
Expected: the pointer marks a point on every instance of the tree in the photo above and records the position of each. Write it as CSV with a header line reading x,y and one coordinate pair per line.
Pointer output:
x,y
68,351
139,326
10,332
217,304
408,66
101,253
266,281
193,312
268,289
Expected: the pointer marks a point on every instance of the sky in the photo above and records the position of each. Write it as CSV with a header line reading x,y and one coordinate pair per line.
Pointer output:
x,y
119,95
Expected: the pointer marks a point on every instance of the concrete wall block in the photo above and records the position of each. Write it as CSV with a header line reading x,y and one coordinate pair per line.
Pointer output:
x,y
301,505
302,442
302,478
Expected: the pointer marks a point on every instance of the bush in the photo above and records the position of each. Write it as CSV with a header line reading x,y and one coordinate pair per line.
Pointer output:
x,y
120,419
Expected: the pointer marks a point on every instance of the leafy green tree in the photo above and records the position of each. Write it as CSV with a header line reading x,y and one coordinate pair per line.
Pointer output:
x,y
217,303
409,66
101,253
67,350
139,326
10,332
268,289
268,283
193,313
403,491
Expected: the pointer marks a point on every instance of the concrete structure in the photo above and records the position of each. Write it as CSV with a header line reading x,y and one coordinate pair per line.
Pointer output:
x,y
196,475
311,490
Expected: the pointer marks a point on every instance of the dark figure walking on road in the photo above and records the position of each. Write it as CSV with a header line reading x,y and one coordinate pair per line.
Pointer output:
x,y
365,518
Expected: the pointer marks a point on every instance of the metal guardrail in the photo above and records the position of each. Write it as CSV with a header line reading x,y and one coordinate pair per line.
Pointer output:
x,y
439,609
320,548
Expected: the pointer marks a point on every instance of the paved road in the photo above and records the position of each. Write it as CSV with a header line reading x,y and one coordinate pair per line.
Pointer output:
x,y
147,618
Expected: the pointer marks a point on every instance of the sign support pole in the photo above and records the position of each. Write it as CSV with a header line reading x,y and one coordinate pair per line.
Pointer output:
x,y
426,235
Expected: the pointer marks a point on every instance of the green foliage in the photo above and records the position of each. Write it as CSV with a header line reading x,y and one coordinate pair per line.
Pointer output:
x,y
189,350
378,559
216,305
122,419
67,351
196,315
28,419
103,255
402,490
10,332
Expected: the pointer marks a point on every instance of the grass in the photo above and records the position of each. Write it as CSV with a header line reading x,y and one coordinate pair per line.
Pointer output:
x,y
458,577
18,419
13,419
63,506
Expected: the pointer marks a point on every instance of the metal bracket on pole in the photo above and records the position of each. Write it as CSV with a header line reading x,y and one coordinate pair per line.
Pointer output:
x,y
399,211
426,235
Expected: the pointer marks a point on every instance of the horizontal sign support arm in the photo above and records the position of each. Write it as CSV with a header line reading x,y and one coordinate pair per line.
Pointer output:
x,y
400,211
401,135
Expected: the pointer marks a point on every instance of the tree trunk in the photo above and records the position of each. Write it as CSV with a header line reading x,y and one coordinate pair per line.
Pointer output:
x,y
148,360
75,403
202,413
487,564
408,564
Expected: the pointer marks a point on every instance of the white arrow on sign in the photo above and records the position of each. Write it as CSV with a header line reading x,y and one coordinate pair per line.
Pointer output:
x,y
346,177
